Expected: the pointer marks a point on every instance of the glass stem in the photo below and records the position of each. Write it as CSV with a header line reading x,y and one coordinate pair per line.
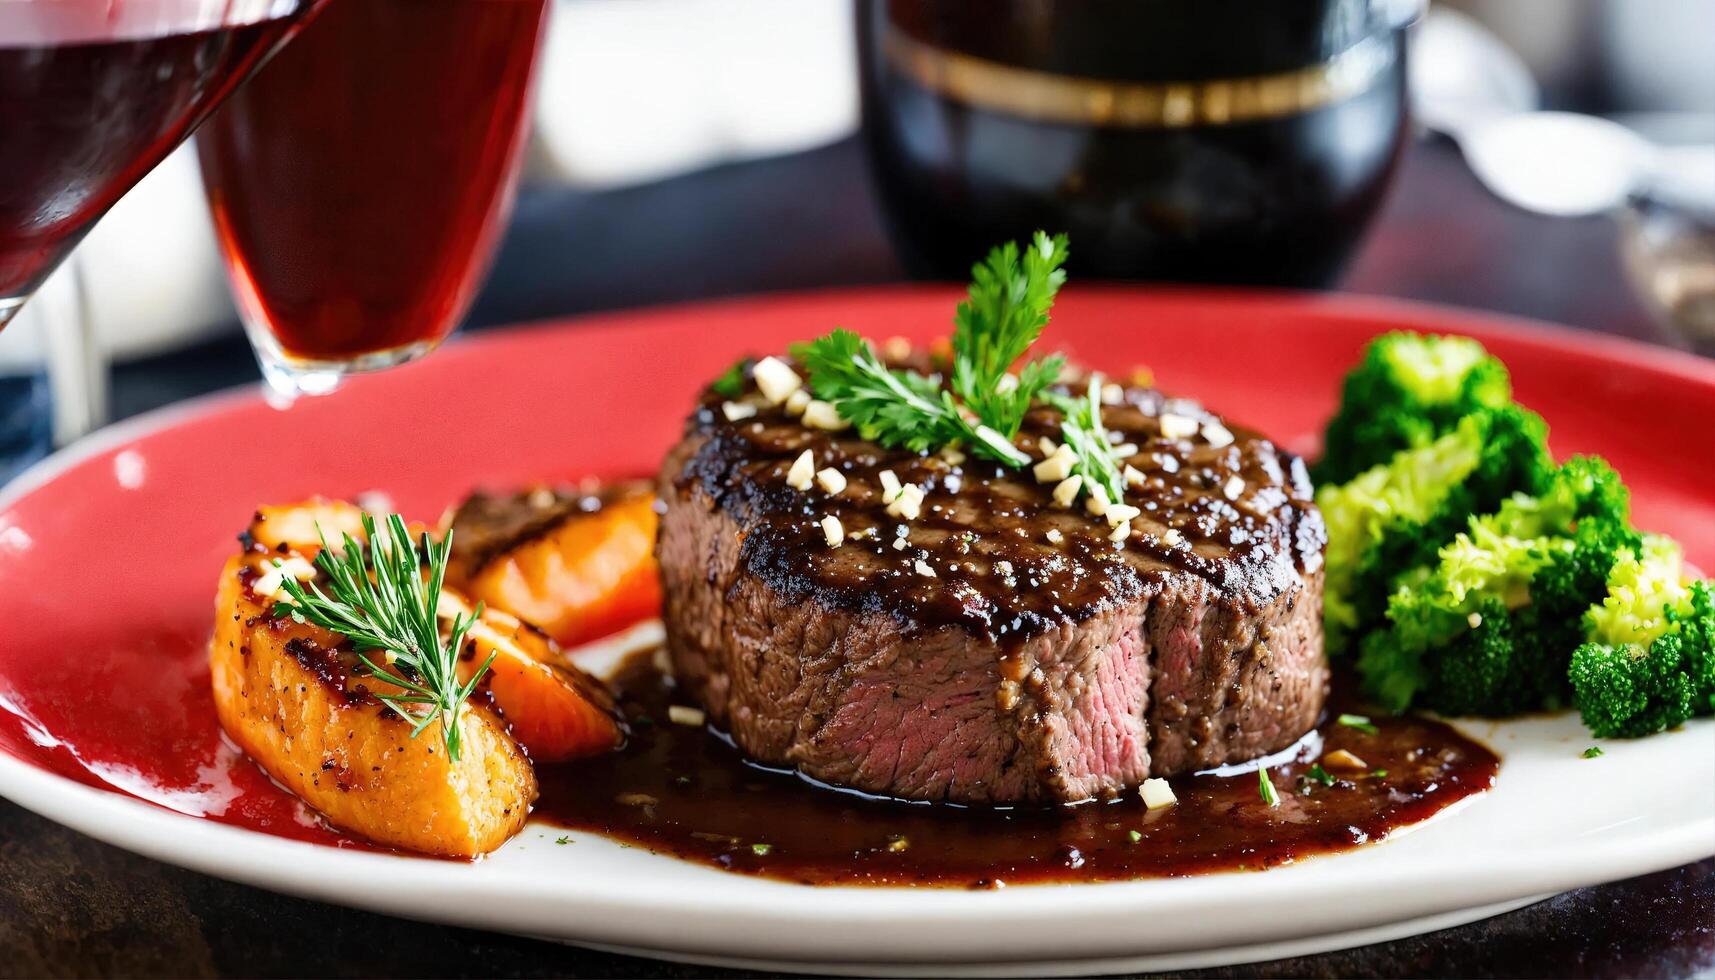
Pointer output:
x,y
76,368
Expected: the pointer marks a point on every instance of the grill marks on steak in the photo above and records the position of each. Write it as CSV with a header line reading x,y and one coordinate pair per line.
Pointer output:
x,y
1025,669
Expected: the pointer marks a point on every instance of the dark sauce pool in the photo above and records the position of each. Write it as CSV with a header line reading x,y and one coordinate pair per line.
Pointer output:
x,y
684,791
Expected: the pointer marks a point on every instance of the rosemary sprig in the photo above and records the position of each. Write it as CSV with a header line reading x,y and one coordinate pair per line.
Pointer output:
x,y
378,596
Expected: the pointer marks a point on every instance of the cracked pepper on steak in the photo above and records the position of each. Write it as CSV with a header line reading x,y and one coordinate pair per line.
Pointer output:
x,y
1025,669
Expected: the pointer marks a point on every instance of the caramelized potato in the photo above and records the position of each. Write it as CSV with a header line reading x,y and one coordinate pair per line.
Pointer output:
x,y
287,695
577,564
291,695
555,711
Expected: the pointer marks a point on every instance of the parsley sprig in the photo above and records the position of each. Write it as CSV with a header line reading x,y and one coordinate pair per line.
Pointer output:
x,y
378,596
984,402
1007,308
893,407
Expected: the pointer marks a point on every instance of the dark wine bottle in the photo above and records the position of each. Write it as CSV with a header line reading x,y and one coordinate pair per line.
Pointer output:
x,y
1230,141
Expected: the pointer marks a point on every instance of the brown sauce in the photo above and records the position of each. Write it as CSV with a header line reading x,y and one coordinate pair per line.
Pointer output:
x,y
684,791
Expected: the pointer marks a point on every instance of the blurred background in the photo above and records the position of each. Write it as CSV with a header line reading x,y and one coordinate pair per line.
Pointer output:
x,y
686,149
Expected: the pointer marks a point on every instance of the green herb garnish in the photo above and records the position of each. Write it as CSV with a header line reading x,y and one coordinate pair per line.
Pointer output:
x,y
1134,835
1592,752
1082,431
378,597
761,850
984,403
563,840
731,381
1007,308
1359,722
1265,786
1320,775
1378,774
894,408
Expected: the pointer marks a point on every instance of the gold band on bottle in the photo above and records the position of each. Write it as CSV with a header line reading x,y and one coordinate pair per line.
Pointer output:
x,y
1074,99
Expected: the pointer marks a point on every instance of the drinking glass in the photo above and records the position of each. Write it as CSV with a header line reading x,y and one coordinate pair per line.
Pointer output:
x,y
359,181
93,94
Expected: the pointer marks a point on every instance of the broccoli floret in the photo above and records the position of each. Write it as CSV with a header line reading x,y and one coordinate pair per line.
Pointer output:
x,y
1628,691
1646,665
1584,487
1408,390
1502,667
1451,643
1395,517
1489,627
1696,624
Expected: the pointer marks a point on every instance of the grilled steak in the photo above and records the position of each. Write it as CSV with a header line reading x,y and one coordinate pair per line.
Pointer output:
x,y
996,649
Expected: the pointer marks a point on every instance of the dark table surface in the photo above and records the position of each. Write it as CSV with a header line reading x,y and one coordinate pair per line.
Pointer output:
x,y
70,906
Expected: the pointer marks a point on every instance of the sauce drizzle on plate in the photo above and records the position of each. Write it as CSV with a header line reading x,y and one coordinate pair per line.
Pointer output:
x,y
682,790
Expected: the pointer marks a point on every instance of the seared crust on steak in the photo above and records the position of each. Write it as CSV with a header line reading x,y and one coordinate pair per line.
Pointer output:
x,y
1022,669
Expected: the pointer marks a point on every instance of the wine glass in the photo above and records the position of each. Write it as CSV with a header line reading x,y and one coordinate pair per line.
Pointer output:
x,y
359,181
93,94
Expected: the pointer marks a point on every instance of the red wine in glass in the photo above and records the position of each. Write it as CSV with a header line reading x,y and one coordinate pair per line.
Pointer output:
x,y
359,181
93,93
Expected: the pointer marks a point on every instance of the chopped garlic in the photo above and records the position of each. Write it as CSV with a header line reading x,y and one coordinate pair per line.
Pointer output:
x,y
1121,532
1177,426
831,480
1097,502
680,714
1056,467
1046,447
1157,793
802,472
823,415
1119,513
775,379
1124,450
1066,490
889,487
273,580
909,503
1054,536
1217,435
1341,759
833,530
1234,486
737,411
896,348
1172,536
1133,476
450,606
952,456
797,402
900,544
1475,619
923,569
1112,394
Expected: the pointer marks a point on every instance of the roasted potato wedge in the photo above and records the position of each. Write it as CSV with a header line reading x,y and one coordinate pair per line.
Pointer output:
x,y
291,695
